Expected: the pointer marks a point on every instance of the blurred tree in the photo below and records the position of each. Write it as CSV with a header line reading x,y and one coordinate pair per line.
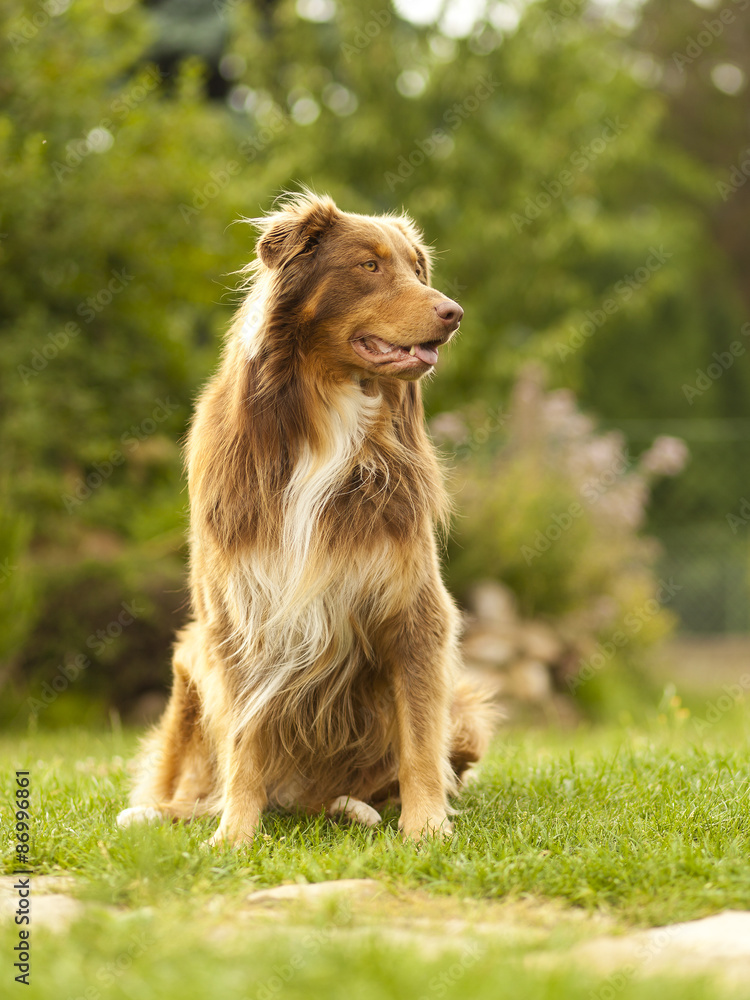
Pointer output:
x,y
533,150
112,265
700,60
697,56
557,511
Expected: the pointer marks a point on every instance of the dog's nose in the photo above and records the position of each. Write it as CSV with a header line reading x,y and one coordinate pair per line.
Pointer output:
x,y
450,313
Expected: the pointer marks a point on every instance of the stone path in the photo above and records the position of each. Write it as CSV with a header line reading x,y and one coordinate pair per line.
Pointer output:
x,y
51,906
718,945
350,888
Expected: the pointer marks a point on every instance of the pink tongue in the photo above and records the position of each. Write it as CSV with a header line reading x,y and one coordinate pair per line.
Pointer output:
x,y
427,354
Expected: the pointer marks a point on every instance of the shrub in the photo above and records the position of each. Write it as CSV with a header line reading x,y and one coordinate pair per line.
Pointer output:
x,y
554,509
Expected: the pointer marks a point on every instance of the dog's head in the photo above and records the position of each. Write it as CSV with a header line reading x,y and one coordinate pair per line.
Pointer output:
x,y
356,288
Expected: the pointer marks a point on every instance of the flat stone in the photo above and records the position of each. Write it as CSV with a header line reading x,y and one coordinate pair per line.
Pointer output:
x,y
486,677
713,944
487,647
49,907
359,888
529,680
492,602
540,642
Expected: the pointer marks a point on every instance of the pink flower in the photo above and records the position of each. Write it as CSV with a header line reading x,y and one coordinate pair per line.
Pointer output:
x,y
449,428
666,456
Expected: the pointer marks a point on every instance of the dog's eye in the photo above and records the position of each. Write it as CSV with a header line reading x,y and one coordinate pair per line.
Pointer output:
x,y
370,265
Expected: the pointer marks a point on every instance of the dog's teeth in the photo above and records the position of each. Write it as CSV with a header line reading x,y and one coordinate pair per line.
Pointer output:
x,y
378,346
412,351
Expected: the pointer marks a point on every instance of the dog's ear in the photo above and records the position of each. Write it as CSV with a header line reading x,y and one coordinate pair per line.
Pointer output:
x,y
295,230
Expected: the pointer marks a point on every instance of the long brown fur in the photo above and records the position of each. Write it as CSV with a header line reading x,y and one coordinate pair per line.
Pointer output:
x,y
321,659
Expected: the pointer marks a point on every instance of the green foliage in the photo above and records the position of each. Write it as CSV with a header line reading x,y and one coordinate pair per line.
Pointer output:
x,y
533,157
553,508
16,588
109,322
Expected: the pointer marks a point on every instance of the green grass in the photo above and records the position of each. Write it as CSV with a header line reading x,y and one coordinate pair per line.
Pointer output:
x,y
638,827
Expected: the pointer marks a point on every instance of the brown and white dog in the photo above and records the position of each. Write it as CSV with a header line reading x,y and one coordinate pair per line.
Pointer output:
x,y
319,669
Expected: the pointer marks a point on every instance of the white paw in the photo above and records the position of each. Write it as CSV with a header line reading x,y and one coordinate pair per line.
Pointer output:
x,y
470,777
139,814
353,809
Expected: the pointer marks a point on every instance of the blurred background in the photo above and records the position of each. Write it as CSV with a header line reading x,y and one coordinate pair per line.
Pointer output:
x,y
581,169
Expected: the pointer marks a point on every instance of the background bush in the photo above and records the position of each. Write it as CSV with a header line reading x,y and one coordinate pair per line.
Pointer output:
x,y
130,139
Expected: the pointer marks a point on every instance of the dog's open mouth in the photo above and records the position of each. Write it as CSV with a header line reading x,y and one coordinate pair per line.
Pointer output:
x,y
378,351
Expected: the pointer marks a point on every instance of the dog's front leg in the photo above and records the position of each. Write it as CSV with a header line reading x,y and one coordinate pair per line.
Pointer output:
x,y
245,793
422,672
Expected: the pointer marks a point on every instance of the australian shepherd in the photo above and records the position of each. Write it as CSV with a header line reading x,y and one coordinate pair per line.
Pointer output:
x,y
320,666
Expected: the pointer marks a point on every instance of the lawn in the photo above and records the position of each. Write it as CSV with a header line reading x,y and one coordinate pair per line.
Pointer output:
x,y
564,835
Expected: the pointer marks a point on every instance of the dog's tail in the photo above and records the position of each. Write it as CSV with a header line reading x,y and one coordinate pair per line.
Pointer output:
x,y
474,717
